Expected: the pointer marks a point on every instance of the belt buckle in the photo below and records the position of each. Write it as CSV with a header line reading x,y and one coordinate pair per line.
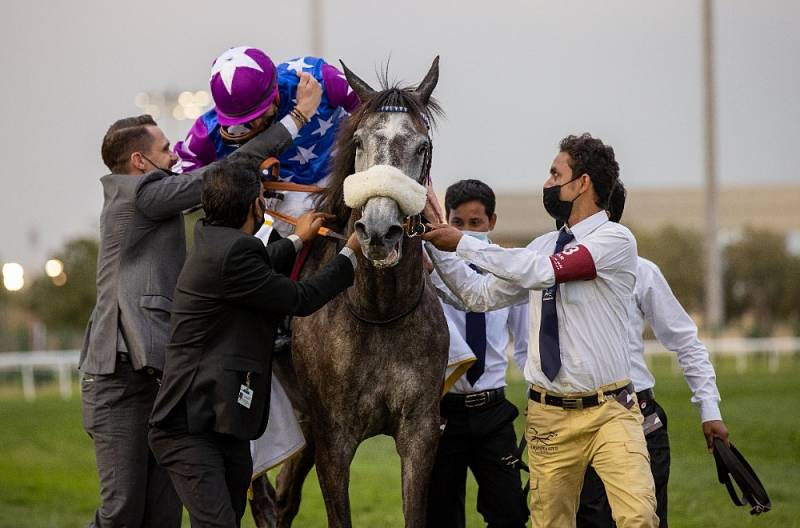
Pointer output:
x,y
477,399
572,403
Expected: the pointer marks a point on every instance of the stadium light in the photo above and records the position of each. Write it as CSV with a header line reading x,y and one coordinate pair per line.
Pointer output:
x,y
13,276
53,268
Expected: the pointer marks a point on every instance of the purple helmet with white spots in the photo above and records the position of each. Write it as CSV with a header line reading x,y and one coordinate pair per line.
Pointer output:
x,y
244,85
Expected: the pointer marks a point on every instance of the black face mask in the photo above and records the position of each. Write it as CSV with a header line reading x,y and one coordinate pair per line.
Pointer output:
x,y
259,218
555,207
168,171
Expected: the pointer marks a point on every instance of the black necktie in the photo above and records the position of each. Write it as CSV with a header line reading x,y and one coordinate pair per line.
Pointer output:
x,y
549,350
476,340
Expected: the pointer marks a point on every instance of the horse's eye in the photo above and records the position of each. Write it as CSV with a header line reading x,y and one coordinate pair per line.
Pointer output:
x,y
422,149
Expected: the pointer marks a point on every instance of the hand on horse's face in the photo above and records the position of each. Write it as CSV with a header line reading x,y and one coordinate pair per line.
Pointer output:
x,y
353,243
308,225
432,210
444,236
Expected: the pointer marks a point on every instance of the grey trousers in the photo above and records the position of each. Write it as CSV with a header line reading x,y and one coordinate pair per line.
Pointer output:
x,y
134,490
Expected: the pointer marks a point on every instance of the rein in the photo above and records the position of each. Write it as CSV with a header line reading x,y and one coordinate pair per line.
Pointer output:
x,y
376,322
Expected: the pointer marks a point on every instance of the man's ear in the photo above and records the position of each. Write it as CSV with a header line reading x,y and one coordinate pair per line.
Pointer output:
x,y
258,205
137,162
586,182
492,221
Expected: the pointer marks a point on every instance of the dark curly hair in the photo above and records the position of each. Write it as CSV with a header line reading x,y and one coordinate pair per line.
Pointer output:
x,y
589,155
616,202
467,190
123,138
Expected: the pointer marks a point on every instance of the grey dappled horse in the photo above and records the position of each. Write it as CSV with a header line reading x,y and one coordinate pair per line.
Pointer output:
x,y
372,360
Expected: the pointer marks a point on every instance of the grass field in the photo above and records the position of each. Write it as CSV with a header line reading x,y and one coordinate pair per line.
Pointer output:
x,y
48,479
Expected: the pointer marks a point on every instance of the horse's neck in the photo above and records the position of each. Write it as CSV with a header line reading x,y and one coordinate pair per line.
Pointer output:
x,y
386,292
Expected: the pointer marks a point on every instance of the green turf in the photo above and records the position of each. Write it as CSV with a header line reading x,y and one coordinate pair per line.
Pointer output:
x,y
48,479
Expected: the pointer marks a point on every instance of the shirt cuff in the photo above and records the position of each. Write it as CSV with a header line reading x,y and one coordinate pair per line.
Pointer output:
x,y
290,125
467,245
709,410
350,254
296,241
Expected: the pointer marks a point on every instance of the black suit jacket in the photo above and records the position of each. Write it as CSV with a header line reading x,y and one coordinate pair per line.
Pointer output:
x,y
230,295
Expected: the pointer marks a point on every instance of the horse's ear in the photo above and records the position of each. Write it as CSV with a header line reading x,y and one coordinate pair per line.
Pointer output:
x,y
362,89
425,88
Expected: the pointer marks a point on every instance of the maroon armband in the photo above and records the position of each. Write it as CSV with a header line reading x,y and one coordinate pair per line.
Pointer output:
x,y
572,264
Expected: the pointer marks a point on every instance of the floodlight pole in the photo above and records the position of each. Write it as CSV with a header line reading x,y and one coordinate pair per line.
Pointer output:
x,y
713,276
316,27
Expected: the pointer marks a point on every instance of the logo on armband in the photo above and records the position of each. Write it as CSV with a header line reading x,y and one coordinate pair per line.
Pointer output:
x,y
575,263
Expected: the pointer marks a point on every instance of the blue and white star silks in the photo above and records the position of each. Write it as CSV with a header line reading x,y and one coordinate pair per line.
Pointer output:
x,y
298,64
304,155
323,126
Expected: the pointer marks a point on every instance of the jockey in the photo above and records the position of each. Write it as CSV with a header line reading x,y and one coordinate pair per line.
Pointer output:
x,y
249,93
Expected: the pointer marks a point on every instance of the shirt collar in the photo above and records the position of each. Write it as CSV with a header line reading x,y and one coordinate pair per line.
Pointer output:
x,y
587,225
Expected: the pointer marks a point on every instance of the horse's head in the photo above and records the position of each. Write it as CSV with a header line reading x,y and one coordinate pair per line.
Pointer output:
x,y
387,141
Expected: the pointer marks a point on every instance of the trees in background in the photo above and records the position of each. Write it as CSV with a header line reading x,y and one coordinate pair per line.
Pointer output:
x,y
762,286
761,282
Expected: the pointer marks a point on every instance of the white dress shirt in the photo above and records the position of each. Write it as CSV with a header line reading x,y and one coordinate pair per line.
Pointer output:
x,y
655,303
510,322
592,314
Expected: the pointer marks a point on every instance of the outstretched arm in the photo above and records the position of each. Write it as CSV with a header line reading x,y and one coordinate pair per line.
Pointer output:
x,y
161,196
250,281
676,330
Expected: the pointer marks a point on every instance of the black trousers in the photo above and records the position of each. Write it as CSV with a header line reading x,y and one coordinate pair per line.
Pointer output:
x,y
134,490
211,473
477,438
594,511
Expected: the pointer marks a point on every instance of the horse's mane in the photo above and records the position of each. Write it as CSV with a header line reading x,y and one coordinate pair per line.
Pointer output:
x,y
331,198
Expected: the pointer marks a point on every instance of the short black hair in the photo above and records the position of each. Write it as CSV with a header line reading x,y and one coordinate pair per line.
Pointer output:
x,y
616,202
229,187
125,137
589,155
466,191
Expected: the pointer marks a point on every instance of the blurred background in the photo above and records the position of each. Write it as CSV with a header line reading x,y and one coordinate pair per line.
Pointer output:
x,y
684,99
700,99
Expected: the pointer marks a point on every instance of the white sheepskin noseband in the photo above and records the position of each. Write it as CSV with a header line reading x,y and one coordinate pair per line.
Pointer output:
x,y
388,181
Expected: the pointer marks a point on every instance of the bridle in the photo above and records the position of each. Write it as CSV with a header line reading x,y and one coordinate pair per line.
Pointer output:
x,y
413,225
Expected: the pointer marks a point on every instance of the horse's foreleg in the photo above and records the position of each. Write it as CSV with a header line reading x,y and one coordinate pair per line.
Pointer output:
x,y
290,480
334,453
263,503
417,440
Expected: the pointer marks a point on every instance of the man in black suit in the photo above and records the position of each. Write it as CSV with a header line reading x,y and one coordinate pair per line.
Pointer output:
x,y
230,295
142,250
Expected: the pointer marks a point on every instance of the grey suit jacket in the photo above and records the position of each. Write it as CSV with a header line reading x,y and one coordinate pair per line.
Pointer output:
x,y
142,250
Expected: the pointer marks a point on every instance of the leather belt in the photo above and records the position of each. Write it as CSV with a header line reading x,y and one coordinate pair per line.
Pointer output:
x,y
645,395
580,402
475,399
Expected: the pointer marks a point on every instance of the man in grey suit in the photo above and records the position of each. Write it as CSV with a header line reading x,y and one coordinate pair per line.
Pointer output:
x,y
142,250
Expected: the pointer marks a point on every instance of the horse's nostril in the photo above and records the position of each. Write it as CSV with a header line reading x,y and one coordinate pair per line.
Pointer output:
x,y
361,231
394,233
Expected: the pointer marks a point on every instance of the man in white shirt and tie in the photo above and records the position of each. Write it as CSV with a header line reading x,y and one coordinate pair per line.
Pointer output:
x,y
479,420
654,302
582,408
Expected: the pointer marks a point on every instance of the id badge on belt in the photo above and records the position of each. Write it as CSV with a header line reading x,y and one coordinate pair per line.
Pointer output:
x,y
652,423
245,393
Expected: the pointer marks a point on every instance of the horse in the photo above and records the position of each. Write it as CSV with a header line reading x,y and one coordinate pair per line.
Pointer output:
x,y
372,361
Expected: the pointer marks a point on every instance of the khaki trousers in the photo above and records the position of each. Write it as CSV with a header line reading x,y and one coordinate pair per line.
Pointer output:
x,y
609,437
